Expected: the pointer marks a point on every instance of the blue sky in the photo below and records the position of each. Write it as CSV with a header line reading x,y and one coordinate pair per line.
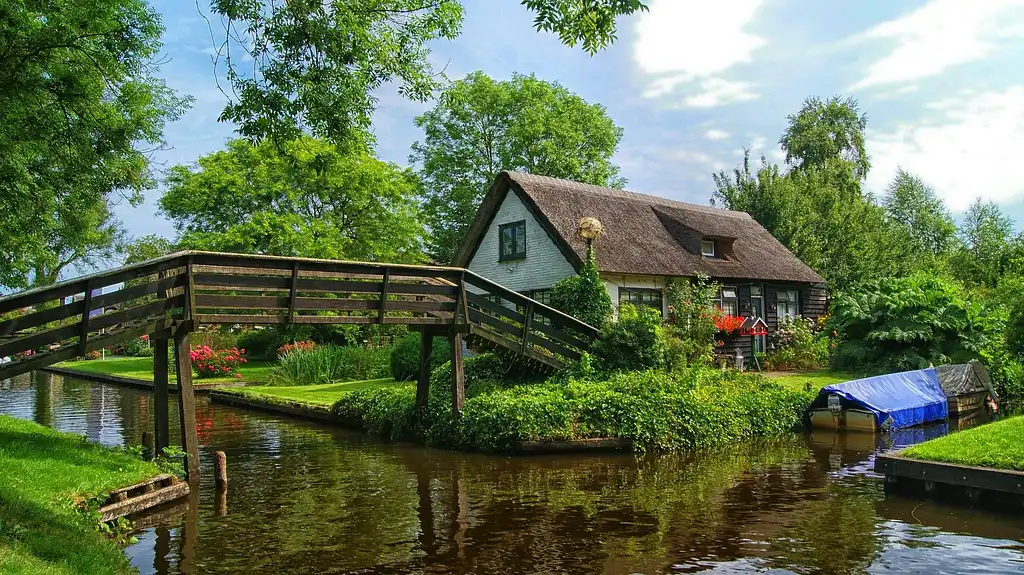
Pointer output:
x,y
692,83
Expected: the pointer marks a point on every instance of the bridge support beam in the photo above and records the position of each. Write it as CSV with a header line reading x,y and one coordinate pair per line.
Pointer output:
x,y
458,375
423,375
161,407
187,402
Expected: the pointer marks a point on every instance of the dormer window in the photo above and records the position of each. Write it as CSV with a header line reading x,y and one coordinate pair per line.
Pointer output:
x,y
708,249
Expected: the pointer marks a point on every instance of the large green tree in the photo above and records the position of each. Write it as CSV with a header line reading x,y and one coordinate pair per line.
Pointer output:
x,y
924,230
826,130
988,245
311,66
299,198
81,107
482,126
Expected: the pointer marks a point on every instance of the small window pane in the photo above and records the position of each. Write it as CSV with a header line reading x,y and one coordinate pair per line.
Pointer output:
x,y
707,248
730,307
755,291
729,293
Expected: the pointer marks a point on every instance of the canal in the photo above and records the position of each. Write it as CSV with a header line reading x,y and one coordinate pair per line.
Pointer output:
x,y
304,498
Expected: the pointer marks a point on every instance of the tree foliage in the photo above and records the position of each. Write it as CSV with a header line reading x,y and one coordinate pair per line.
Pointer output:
x,y
826,130
922,225
301,198
691,328
146,248
584,296
306,66
481,126
80,106
988,245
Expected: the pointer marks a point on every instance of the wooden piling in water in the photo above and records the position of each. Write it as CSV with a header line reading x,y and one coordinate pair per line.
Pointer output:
x,y
220,468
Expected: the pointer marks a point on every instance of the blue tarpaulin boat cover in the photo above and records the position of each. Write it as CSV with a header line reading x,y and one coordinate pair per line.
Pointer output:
x,y
906,398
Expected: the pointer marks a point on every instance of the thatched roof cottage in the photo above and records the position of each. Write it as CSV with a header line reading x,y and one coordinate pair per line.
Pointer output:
x,y
526,237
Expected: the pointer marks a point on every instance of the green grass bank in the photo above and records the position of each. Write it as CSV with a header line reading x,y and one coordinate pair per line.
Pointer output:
x,y
44,473
254,371
324,395
997,445
818,379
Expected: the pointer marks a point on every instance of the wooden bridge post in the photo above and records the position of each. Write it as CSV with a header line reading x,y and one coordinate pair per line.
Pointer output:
x,y
423,376
458,375
187,402
160,393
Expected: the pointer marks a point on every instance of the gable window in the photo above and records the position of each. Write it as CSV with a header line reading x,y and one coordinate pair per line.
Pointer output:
x,y
728,300
708,249
512,241
542,295
788,303
641,297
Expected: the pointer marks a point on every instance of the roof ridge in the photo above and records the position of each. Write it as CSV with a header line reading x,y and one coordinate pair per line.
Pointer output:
x,y
629,195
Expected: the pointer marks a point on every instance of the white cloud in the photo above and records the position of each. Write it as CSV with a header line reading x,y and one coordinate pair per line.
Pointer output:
x,y
688,46
937,36
970,147
716,134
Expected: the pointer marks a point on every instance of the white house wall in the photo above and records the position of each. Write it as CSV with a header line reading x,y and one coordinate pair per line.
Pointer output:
x,y
543,265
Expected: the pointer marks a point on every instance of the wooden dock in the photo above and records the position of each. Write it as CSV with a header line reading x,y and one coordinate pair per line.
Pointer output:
x,y
951,481
148,494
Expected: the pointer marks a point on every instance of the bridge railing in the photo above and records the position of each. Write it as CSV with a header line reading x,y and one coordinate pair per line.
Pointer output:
x,y
44,326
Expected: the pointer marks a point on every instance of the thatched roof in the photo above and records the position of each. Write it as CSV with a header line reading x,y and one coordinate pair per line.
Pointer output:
x,y
643,234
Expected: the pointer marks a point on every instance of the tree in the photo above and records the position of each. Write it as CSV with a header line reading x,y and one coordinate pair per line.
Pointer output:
x,y
308,66
80,105
584,296
300,198
482,126
827,130
987,237
146,248
920,216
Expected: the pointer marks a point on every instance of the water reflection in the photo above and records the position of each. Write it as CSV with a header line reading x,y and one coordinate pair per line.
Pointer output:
x,y
308,499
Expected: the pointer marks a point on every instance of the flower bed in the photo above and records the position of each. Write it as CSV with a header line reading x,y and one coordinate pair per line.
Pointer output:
x,y
208,362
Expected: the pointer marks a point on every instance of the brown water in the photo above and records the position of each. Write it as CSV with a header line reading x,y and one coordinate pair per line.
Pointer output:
x,y
304,498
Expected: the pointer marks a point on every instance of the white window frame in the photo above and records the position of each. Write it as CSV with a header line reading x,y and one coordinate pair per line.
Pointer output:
x,y
733,299
708,253
787,303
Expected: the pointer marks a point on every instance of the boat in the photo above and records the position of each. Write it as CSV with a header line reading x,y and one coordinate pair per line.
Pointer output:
x,y
881,403
968,388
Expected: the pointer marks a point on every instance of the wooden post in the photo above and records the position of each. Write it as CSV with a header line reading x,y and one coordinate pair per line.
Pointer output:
x,y
527,323
458,375
384,294
423,377
291,294
220,467
147,446
187,403
161,408
83,332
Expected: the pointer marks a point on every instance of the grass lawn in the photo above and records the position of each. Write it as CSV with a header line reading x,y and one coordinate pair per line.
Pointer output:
x,y
142,368
996,445
795,380
316,395
42,471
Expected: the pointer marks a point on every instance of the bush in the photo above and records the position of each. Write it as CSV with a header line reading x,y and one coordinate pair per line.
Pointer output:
x,y
692,322
405,356
635,341
137,347
262,343
797,345
297,346
908,323
584,296
504,406
215,338
208,362
1015,330
330,363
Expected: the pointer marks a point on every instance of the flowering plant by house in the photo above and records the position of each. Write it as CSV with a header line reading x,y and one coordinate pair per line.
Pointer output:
x,y
209,362
297,346
729,323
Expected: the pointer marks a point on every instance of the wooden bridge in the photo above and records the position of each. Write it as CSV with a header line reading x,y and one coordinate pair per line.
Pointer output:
x,y
170,297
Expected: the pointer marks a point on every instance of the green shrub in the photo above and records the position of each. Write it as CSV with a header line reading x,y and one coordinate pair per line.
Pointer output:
x,y
1015,330
387,412
136,347
584,296
635,341
216,339
797,345
690,329
261,343
330,363
908,323
405,356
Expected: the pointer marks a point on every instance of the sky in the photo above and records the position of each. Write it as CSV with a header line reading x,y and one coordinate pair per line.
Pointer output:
x,y
692,83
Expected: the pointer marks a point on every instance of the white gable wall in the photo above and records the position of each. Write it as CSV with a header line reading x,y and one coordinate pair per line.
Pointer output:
x,y
543,265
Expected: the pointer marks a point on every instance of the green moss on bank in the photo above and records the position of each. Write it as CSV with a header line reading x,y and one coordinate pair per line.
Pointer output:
x,y
694,409
995,445
43,471
142,368
324,395
818,379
